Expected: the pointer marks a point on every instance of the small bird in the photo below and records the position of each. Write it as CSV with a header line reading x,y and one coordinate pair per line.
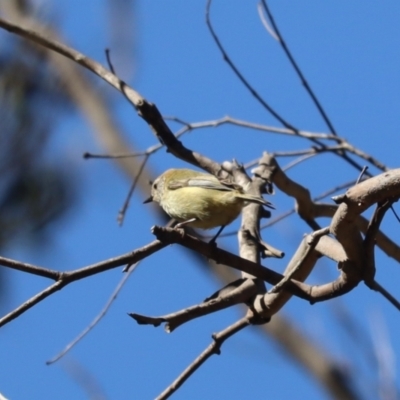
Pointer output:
x,y
200,200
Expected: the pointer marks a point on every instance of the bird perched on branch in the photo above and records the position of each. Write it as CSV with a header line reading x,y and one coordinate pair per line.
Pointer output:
x,y
200,200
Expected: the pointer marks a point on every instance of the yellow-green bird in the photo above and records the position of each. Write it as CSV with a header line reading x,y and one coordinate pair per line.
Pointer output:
x,y
200,200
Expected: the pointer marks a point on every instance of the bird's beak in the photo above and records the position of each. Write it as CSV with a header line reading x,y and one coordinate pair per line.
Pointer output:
x,y
149,200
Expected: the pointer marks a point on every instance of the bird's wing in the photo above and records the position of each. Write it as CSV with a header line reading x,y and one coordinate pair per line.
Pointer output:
x,y
204,183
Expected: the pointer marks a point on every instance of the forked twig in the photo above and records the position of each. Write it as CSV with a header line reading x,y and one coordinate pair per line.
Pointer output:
x,y
259,98
311,93
65,278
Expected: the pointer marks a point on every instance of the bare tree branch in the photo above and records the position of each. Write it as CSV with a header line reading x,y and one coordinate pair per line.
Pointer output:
x,y
214,348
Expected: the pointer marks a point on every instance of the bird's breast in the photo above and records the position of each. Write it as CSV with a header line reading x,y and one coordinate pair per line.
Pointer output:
x,y
209,208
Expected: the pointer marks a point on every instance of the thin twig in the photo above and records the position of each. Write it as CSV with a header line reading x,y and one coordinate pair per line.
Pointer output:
x,y
304,155
369,246
361,174
109,62
30,268
88,155
307,86
122,211
213,348
288,213
258,96
298,161
189,126
66,278
98,317
240,76
380,289
313,136
266,24
297,69
31,302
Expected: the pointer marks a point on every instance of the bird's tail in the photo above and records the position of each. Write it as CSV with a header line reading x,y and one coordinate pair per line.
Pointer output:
x,y
256,199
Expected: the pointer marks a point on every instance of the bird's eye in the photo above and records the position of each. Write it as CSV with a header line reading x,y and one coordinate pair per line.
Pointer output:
x,y
154,185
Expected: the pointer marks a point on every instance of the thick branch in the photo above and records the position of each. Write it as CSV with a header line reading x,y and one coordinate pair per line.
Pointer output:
x,y
170,235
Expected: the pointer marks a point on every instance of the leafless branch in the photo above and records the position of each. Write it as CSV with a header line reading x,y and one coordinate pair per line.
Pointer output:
x,y
239,291
240,76
65,278
122,212
296,68
214,348
97,319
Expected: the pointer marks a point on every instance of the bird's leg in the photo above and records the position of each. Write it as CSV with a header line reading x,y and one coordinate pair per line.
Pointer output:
x,y
213,240
183,223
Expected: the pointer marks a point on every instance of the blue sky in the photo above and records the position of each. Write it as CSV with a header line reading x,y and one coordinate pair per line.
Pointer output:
x,y
349,51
